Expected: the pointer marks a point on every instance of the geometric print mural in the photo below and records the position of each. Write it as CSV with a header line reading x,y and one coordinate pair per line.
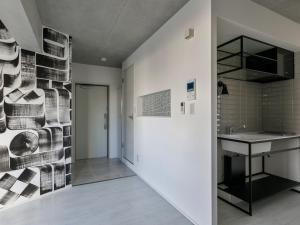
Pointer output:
x,y
35,117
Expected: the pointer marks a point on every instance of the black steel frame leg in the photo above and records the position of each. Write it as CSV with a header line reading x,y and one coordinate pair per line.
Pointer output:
x,y
250,178
263,164
249,212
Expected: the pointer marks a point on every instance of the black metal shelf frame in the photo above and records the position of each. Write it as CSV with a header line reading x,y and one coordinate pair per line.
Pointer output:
x,y
252,188
261,61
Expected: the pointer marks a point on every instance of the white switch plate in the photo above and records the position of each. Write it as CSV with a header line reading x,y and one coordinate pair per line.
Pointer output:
x,y
192,108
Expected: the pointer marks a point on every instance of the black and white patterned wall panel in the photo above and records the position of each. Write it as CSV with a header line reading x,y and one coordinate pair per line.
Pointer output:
x,y
35,117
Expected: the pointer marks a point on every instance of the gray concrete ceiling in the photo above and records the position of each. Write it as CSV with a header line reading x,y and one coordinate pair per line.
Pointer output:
x,y
107,28
287,8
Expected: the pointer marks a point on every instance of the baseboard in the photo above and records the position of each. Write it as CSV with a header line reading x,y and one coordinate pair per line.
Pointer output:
x,y
134,169
130,165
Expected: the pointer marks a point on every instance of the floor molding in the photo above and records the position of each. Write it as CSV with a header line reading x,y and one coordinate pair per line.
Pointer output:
x,y
134,169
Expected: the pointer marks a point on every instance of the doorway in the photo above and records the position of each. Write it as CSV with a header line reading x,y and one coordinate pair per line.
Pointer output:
x,y
92,158
92,121
128,115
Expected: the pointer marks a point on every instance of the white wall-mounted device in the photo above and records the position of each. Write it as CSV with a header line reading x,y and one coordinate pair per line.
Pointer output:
x,y
191,90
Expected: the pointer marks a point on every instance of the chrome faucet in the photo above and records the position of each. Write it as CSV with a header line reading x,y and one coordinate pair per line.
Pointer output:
x,y
230,129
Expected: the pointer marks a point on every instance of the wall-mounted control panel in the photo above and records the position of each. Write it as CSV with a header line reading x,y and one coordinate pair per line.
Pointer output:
x,y
191,90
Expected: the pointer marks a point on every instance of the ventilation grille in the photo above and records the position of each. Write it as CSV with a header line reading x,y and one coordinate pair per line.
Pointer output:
x,y
155,104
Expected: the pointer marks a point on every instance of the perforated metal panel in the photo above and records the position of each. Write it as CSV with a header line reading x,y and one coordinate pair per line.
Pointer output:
x,y
155,104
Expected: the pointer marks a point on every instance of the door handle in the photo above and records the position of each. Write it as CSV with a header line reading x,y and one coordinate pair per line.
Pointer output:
x,y
105,121
130,117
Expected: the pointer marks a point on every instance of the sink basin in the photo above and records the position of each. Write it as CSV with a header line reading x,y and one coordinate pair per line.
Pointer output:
x,y
243,148
260,141
248,136
278,133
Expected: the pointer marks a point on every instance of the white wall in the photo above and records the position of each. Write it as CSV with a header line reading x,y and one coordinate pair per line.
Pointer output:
x,y
22,19
175,153
90,74
34,18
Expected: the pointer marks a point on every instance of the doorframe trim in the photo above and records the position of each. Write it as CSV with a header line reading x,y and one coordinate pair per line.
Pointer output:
x,y
123,116
108,112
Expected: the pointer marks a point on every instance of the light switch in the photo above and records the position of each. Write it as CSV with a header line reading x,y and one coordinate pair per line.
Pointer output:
x,y
192,108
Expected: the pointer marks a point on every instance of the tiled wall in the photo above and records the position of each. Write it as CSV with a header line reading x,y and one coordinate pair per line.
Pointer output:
x,y
281,103
278,106
269,107
282,111
242,107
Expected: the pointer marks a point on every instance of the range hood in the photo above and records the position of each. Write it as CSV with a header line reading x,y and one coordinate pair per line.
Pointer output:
x,y
248,59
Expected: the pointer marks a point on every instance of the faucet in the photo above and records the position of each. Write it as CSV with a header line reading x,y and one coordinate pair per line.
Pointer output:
x,y
230,129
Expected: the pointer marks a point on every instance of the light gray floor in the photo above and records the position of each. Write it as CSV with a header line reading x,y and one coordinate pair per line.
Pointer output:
x,y
98,169
126,201
280,209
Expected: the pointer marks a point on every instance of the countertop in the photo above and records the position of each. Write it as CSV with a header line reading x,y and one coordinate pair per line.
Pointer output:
x,y
257,137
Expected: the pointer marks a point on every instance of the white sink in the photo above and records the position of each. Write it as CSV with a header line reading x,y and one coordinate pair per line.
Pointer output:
x,y
234,142
243,148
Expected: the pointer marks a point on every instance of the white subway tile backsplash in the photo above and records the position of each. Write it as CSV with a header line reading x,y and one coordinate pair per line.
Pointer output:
x,y
271,106
242,106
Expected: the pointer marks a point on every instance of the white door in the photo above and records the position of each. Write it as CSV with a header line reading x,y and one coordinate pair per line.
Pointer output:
x,y
128,150
91,121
